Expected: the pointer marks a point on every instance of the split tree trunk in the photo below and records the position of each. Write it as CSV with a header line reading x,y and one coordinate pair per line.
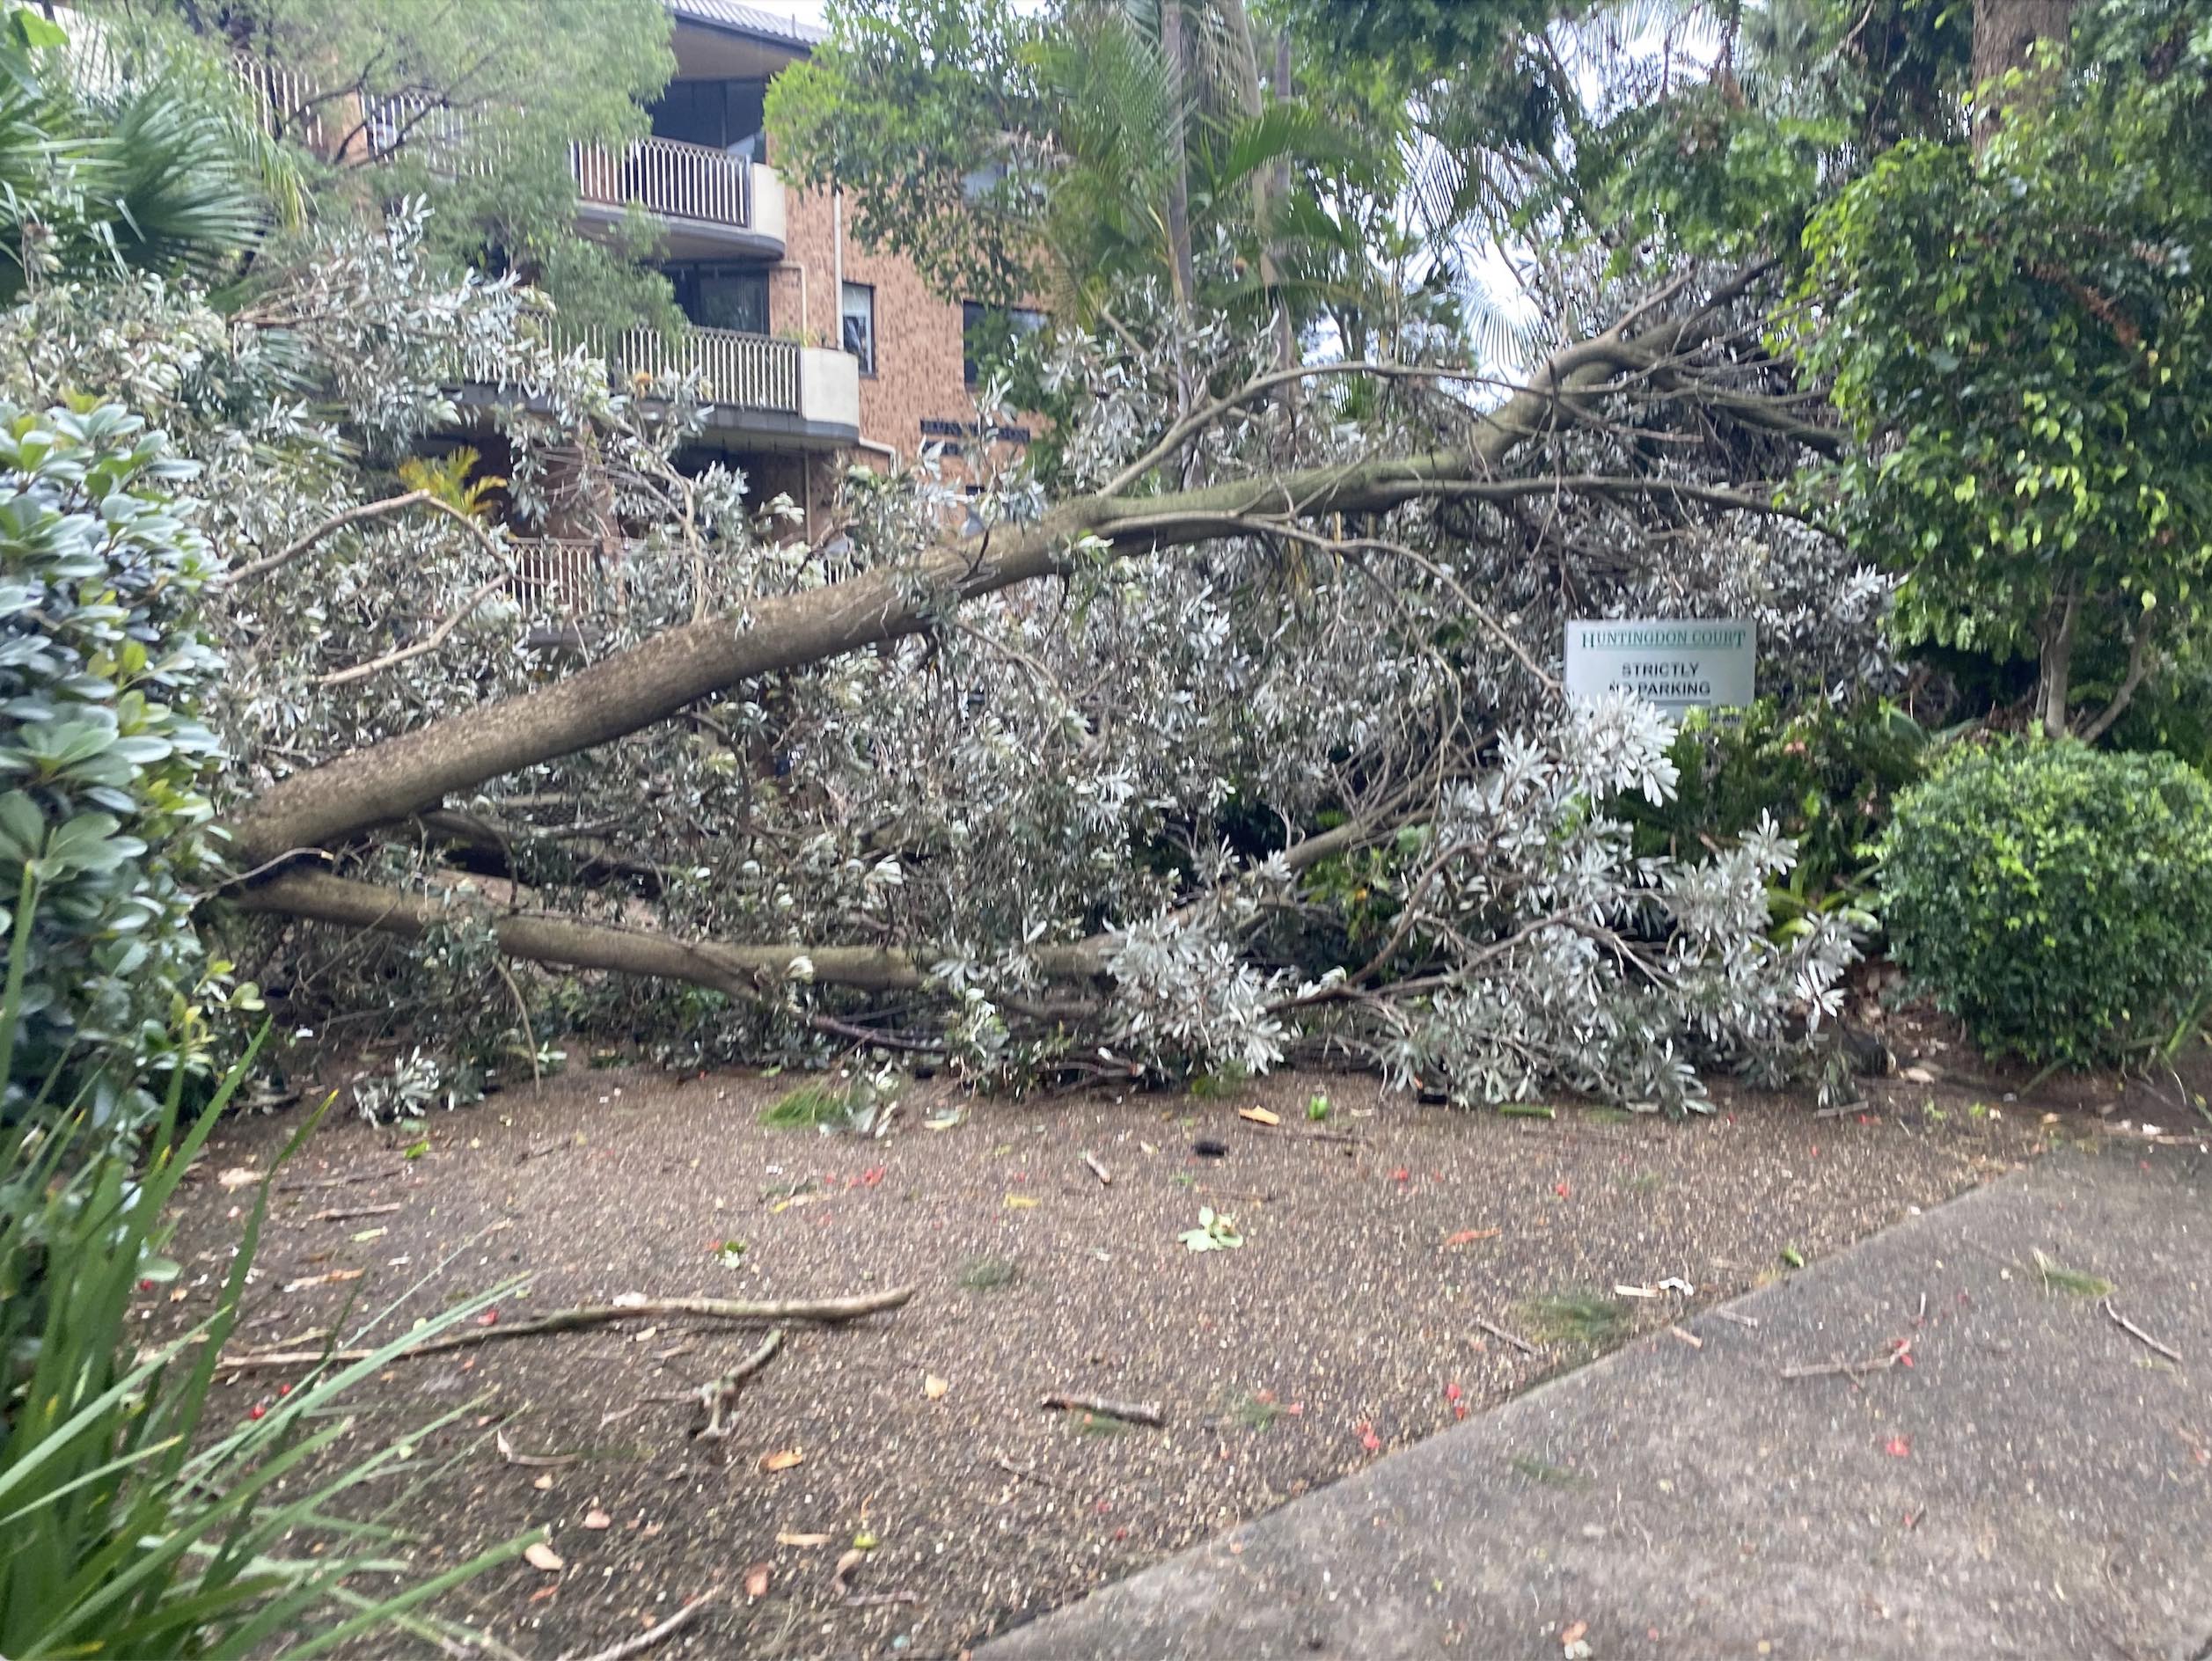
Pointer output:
x,y
1172,54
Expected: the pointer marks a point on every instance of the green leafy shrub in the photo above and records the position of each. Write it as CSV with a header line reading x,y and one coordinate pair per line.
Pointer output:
x,y
2056,899
1828,775
102,764
131,1523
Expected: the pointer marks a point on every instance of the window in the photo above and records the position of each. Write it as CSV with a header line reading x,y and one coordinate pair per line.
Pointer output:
x,y
723,116
723,297
858,309
988,333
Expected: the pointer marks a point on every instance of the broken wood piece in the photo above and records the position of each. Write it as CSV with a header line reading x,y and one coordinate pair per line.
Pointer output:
x,y
1687,1336
344,1214
825,1310
2133,1330
1133,1412
660,1634
1497,1331
1105,1180
1740,1321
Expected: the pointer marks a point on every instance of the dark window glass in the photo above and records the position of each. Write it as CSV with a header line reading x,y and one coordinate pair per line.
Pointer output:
x,y
723,297
721,115
985,332
857,307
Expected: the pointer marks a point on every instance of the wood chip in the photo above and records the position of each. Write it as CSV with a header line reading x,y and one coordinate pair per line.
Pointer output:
x,y
331,1279
804,1542
1687,1336
782,1460
1259,1116
595,1519
539,1555
1105,1178
756,1579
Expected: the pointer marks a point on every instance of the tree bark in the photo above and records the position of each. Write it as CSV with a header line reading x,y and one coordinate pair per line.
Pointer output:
x,y
2006,34
2056,671
1247,76
648,683
1172,55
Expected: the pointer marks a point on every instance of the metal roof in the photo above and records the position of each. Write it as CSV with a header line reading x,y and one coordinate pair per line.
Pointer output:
x,y
744,19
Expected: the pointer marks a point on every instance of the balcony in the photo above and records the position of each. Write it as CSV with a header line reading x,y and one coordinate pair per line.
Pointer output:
x,y
711,202
763,392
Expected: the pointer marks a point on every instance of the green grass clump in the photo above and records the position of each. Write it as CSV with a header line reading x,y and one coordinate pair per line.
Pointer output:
x,y
988,1274
1575,1317
807,1107
2073,1282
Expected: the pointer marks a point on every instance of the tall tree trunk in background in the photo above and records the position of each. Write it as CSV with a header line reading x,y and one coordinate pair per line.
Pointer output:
x,y
1171,51
1246,74
2006,33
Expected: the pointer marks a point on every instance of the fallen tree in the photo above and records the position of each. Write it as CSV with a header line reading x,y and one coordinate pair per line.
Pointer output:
x,y
1097,776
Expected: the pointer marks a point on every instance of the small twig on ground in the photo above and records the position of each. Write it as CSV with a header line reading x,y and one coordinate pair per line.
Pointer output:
x,y
345,1214
1028,1473
652,1636
2133,1330
1851,1369
826,1310
1740,1321
863,1599
1133,1412
530,1461
340,1181
1497,1331
1105,1178
1687,1336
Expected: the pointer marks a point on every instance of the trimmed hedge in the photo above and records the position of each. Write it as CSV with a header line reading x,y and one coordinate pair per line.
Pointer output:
x,y
2056,899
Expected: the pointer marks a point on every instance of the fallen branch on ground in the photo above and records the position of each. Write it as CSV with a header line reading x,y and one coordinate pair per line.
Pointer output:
x,y
340,1181
1134,1412
652,1636
825,1310
2129,1327
530,1461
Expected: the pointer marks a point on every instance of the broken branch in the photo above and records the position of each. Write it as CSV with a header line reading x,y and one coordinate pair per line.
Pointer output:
x,y
1497,1331
652,1636
1106,1407
825,1310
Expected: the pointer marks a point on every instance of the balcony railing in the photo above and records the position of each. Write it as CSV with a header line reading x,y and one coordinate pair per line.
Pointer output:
x,y
751,371
668,177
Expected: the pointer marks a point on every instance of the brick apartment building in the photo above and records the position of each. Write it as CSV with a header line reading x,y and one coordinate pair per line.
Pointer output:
x,y
818,352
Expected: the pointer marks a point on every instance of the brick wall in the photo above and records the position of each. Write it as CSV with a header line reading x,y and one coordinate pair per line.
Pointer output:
x,y
918,340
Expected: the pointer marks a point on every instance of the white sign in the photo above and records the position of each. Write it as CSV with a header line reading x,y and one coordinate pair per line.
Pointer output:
x,y
1678,665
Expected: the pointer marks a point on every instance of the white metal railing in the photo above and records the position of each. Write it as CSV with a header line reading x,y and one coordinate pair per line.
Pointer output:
x,y
563,573
669,177
752,372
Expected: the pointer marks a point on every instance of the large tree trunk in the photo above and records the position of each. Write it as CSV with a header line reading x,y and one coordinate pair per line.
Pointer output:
x,y
2006,34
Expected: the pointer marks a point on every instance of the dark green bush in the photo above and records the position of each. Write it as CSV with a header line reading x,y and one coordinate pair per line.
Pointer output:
x,y
1828,776
2056,899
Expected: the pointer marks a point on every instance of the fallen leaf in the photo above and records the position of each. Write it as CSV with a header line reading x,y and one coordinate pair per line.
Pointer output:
x,y
239,1176
368,1234
756,1580
545,1594
181,1294
846,1565
783,1460
804,1541
543,1483
596,1519
1020,1203
934,1387
1468,1236
1573,1634
1368,1439
1259,1116
1897,1447
538,1554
